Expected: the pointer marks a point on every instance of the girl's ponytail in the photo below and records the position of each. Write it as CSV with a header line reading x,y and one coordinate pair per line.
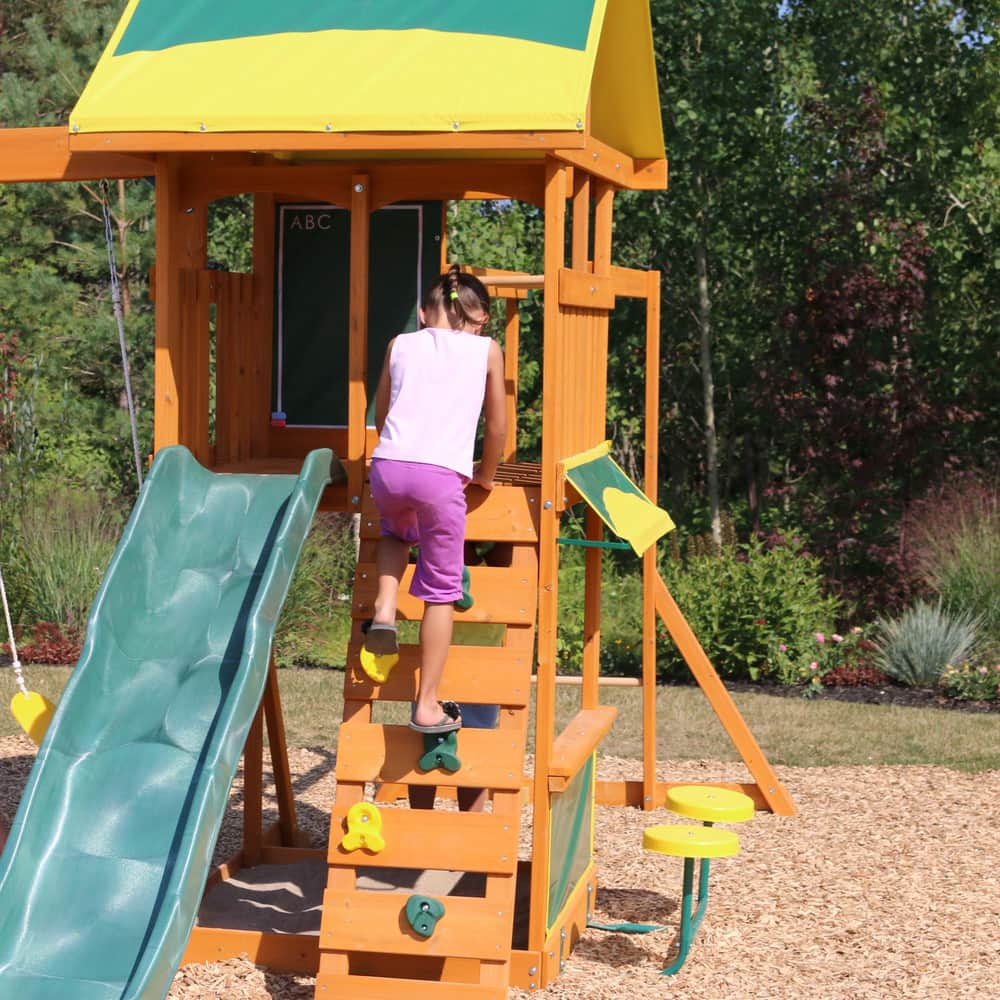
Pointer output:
x,y
461,296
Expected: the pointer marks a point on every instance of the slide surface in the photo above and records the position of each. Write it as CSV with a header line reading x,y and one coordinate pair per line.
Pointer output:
x,y
104,871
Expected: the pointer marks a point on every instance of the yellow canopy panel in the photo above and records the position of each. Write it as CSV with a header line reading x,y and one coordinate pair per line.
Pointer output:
x,y
386,66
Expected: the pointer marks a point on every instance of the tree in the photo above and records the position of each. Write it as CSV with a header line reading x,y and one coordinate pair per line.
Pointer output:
x,y
54,282
713,232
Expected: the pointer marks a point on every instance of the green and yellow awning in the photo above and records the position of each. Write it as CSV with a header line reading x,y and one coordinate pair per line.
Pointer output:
x,y
379,66
619,503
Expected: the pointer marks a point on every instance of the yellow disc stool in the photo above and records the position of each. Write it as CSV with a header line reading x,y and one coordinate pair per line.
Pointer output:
x,y
689,843
710,804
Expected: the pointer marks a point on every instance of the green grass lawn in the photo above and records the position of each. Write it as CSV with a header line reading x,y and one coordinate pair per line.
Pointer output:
x,y
796,732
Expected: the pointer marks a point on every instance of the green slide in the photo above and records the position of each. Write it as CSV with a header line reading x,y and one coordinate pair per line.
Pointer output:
x,y
107,859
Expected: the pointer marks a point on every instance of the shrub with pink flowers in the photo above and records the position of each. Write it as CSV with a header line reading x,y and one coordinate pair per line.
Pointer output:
x,y
822,655
972,681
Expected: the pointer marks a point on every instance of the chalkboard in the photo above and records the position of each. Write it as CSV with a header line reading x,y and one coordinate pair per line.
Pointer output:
x,y
312,282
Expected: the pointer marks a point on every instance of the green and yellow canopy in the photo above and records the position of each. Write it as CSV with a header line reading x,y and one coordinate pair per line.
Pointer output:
x,y
619,503
379,66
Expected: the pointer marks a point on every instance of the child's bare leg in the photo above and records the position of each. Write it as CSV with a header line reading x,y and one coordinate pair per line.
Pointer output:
x,y
435,638
391,557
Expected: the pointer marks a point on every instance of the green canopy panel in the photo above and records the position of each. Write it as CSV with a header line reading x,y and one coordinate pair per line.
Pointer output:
x,y
620,504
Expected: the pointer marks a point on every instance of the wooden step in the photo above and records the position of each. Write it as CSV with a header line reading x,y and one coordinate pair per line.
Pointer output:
x,y
506,595
434,840
380,988
482,675
505,514
490,758
376,922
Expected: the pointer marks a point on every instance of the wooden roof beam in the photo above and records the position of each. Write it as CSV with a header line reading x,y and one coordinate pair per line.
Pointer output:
x,y
440,144
44,154
608,163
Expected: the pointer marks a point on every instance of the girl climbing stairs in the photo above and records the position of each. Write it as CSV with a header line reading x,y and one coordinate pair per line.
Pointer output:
x,y
421,902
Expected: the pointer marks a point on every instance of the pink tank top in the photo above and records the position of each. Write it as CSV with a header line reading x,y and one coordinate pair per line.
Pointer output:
x,y
438,383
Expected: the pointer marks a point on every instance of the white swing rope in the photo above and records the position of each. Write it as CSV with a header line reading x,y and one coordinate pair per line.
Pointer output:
x,y
18,672
116,303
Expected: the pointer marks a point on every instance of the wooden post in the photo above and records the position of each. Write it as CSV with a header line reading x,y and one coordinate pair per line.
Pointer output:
x,y
181,233
253,791
263,322
279,758
512,346
651,474
548,572
357,394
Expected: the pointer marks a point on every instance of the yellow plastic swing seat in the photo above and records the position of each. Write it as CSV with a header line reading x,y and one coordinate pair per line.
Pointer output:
x,y
709,804
690,841
33,712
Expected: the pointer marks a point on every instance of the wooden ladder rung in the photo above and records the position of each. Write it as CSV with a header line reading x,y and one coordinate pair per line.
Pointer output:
x,y
490,758
505,595
376,922
505,514
484,675
378,988
432,840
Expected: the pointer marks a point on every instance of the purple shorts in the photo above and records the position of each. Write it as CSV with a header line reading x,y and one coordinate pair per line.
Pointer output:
x,y
424,505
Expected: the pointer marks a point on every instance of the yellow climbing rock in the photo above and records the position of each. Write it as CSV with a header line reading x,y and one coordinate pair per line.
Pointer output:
x,y
378,668
364,829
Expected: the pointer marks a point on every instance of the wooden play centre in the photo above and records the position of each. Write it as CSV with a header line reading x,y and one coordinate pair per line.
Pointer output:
x,y
352,127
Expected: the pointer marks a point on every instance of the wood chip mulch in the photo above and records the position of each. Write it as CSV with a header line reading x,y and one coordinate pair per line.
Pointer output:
x,y
886,885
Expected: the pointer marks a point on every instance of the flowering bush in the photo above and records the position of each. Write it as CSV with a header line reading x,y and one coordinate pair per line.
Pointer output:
x,y
844,659
972,681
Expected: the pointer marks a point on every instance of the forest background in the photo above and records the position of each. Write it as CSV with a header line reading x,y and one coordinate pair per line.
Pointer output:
x,y
830,373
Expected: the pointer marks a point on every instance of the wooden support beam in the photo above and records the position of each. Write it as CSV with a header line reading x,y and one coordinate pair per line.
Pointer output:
x,y
584,290
512,348
778,799
632,793
278,746
610,164
593,572
181,246
253,791
357,393
43,154
548,551
580,250
440,144
650,480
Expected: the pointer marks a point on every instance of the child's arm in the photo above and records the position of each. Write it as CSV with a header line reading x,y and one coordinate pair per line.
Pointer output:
x,y
383,391
495,406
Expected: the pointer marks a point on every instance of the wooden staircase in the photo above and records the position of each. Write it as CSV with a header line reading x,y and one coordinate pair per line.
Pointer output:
x,y
367,947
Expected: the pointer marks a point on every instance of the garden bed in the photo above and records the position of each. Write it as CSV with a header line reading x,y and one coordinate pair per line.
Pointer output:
x,y
864,694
